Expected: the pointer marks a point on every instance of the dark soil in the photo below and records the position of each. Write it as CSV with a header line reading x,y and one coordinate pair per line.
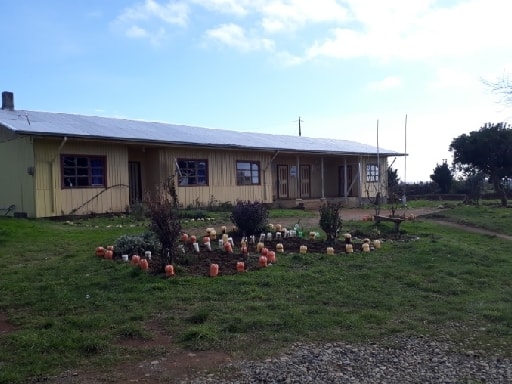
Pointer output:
x,y
192,263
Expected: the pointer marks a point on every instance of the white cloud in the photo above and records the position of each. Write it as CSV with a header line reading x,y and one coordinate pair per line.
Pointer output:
x,y
151,19
233,35
386,83
288,15
453,78
236,7
417,30
136,32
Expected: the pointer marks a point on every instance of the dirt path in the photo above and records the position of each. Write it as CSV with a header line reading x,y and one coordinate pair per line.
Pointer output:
x,y
469,228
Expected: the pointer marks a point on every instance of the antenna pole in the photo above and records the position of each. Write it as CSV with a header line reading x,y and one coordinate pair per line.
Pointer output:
x,y
300,131
404,198
378,156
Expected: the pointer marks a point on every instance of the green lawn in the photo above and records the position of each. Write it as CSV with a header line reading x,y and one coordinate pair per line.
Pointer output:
x,y
71,309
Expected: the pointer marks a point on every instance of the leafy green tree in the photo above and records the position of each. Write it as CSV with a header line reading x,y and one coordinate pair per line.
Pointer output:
x,y
489,151
393,178
330,220
443,177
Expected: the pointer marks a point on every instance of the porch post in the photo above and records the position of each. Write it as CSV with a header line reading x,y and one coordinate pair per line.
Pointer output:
x,y
322,175
345,173
359,171
298,178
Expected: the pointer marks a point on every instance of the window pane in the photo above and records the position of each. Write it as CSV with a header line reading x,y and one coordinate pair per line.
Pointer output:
x,y
247,173
82,171
192,172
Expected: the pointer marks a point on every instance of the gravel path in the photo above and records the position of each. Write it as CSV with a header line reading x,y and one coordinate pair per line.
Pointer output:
x,y
410,360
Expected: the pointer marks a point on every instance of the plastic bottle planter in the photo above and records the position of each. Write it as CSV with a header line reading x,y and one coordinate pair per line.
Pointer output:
x,y
240,266
303,249
143,264
213,234
196,247
366,247
262,261
264,251
260,246
271,257
312,235
223,229
278,227
184,237
228,247
135,260
169,270
100,251
244,249
376,244
330,250
349,248
280,247
214,270
109,254
192,239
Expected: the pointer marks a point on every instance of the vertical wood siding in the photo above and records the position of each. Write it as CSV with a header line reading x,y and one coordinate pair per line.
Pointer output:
x,y
221,175
52,200
16,157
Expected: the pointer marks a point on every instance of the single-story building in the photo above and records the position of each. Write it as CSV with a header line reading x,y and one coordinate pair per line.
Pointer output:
x,y
55,164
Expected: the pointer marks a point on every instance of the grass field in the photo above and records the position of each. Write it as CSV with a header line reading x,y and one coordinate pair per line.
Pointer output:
x,y
67,308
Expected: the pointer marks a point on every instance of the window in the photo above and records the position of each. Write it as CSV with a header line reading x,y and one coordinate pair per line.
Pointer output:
x,y
372,172
247,173
192,172
83,171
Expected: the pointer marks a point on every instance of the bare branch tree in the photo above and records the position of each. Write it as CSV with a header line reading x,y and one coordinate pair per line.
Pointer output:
x,y
502,87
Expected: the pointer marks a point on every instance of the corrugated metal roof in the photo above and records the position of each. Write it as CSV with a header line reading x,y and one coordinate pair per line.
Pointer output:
x,y
92,127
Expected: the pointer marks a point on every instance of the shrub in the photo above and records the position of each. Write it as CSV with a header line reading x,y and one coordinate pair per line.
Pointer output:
x,y
137,244
330,220
249,218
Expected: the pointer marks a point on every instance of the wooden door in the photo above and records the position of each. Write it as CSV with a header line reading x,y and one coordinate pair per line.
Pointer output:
x,y
282,181
305,181
135,185
346,183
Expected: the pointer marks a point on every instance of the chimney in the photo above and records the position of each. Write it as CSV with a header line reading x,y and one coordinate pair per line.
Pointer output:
x,y
8,101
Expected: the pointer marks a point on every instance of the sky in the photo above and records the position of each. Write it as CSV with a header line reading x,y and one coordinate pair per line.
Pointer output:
x,y
402,75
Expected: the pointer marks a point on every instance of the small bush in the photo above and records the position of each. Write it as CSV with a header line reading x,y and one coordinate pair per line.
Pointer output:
x,y
249,218
330,220
192,214
137,244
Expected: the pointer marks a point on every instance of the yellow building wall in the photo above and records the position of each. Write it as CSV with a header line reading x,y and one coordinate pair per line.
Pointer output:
x,y
16,162
370,189
221,176
53,200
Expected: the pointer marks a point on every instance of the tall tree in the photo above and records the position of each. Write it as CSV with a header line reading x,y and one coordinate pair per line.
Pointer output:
x,y
489,151
443,177
393,178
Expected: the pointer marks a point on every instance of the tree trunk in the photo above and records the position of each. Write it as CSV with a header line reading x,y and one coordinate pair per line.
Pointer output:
x,y
501,193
